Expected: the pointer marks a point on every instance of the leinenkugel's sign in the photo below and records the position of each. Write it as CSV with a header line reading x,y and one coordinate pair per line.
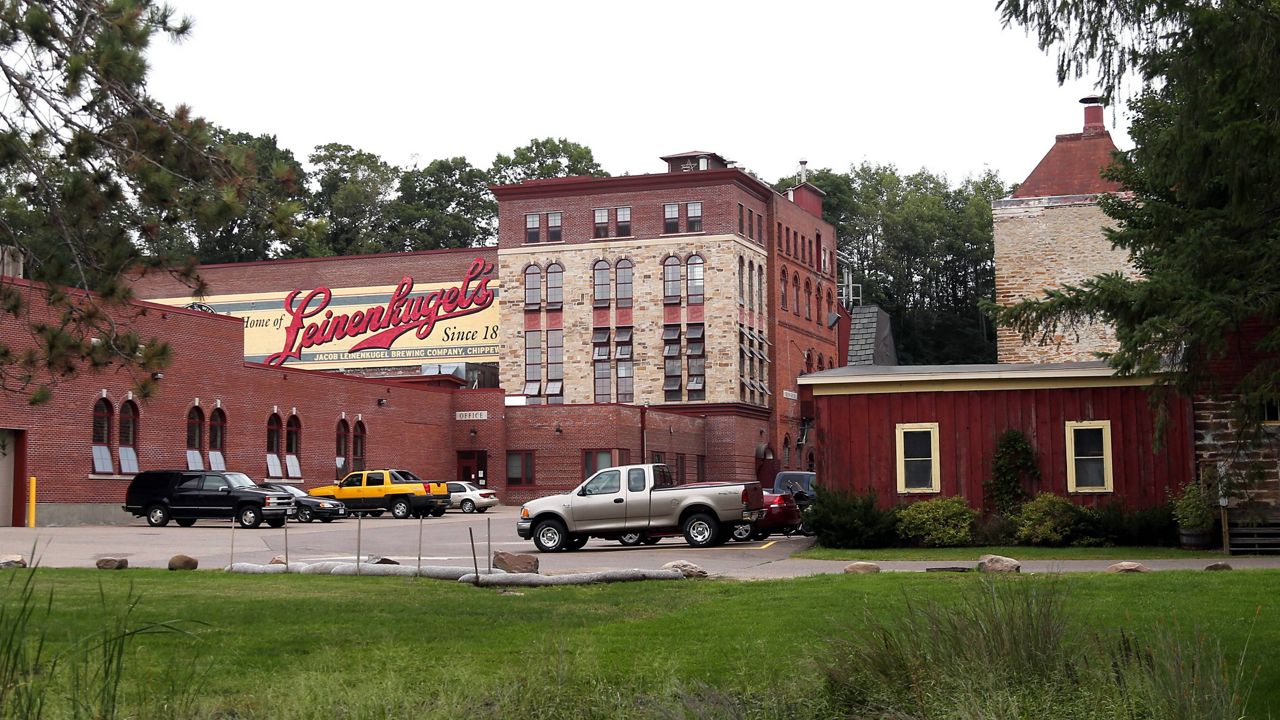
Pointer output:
x,y
408,323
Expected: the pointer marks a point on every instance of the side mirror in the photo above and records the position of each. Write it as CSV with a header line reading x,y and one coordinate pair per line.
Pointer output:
x,y
337,482
224,489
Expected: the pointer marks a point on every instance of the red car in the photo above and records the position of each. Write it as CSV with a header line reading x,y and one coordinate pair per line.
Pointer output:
x,y
781,515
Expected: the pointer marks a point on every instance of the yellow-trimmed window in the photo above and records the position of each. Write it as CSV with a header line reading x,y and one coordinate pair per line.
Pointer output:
x,y
918,458
1089,457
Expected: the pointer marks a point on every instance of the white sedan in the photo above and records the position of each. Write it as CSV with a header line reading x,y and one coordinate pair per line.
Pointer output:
x,y
469,498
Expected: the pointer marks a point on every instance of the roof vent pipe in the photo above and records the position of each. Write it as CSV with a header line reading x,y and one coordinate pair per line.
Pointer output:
x,y
804,171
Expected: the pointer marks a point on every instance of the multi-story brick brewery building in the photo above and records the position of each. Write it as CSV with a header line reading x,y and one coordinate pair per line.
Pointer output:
x,y
663,316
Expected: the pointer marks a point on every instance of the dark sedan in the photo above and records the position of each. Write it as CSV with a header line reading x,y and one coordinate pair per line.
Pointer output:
x,y
781,515
310,508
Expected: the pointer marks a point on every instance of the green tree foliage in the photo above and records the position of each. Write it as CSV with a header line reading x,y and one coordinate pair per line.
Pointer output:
x,y
92,169
1202,223
447,204
923,251
545,158
353,191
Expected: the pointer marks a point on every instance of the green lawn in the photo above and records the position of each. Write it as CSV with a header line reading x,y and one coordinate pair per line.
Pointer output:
x,y
1021,552
325,647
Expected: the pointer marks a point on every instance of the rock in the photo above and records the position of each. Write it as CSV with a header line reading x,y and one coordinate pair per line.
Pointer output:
x,y
277,560
12,561
1128,567
1218,566
861,568
183,562
514,562
385,561
112,563
998,564
686,568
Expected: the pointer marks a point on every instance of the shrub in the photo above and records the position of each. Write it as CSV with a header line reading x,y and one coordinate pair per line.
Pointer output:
x,y
994,529
845,520
1013,467
1191,507
1114,525
941,522
1048,520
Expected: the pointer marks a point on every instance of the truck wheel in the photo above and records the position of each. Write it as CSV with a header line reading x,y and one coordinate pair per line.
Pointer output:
x,y
743,533
438,510
185,522
701,530
249,516
577,542
468,506
631,539
277,521
374,513
652,540
550,536
400,508
157,516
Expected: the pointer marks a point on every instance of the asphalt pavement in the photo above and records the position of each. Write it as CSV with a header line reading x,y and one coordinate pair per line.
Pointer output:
x,y
448,540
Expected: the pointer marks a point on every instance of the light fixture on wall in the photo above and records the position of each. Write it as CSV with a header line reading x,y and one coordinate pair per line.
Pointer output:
x,y
558,430
382,402
472,432
157,376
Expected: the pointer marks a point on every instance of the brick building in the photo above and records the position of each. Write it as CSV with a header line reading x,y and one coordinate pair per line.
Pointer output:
x,y
699,290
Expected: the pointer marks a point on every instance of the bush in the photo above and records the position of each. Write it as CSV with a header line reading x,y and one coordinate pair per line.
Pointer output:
x,y
845,520
941,522
994,529
1191,507
1114,525
1048,520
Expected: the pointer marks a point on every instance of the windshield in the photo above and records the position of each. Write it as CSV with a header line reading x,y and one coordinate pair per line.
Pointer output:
x,y
406,476
289,489
239,480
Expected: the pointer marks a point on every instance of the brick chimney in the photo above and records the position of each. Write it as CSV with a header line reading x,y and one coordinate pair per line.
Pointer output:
x,y
1093,122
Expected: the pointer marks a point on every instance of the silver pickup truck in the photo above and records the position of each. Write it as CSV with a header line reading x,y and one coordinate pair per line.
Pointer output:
x,y
639,504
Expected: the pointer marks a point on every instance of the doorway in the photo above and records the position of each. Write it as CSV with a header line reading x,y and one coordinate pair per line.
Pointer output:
x,y
473,467
8,468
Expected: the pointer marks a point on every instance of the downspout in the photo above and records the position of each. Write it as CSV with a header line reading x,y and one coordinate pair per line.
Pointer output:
x,y
644,435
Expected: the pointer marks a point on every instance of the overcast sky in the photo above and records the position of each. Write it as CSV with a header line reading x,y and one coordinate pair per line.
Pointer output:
x,y
935,84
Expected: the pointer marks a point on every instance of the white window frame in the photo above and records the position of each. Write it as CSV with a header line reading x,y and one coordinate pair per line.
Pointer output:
x,y
1108,460
935,486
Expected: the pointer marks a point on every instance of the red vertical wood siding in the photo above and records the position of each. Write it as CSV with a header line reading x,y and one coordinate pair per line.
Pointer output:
x,y
861,446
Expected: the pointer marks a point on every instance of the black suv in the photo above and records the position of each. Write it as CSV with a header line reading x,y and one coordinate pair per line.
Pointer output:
x,y
188,495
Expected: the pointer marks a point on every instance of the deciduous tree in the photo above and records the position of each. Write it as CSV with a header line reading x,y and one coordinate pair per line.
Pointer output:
x,y
545,158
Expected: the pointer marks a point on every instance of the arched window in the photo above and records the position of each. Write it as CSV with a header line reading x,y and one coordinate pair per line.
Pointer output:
x,y
195,438
813,465
786,451
671,280
624,283
822,364
742,297
831,306
274,426
695,281
293,446
102,437
532,287
600,272
795,289
808,300
128,437
357,446
555,286
751,296
217,440
783,296
342,449
760,287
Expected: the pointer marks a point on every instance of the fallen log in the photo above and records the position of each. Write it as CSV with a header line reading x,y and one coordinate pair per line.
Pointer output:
x,y
536,580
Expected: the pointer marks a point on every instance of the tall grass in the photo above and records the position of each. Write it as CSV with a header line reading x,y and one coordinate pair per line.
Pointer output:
x,y
1012,648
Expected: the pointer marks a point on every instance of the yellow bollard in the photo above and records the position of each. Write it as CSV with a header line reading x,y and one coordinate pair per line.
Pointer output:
x,y
31,503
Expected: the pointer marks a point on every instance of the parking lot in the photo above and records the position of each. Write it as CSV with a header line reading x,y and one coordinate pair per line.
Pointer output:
x,y
446,540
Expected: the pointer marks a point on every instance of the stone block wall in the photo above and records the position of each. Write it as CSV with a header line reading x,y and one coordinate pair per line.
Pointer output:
x,y
1218,453
1038,246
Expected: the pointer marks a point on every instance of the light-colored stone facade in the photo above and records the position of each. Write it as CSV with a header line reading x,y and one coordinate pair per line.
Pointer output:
x,y
1042,244
720,312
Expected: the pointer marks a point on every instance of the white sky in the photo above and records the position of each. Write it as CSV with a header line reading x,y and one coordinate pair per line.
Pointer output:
x,y
936,84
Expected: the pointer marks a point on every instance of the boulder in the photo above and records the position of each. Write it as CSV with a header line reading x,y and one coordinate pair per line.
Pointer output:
x,y
515,562
1128,567
998,564
12,561
685,568
1218,566
107,563
183,562
861,568
277,560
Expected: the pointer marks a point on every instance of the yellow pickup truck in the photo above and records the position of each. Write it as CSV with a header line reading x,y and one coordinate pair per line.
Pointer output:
x,y
400,492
